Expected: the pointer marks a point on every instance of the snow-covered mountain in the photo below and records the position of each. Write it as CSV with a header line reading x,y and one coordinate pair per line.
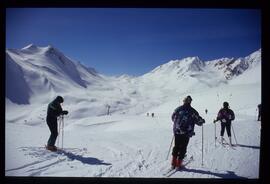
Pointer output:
x,y
228,67
41,70
190,64
191,73
232,67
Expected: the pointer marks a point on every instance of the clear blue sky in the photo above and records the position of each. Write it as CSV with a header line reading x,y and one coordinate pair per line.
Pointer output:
x,y
134,41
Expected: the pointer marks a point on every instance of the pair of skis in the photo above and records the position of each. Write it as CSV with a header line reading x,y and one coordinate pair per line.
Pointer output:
x,y
225,143
171,171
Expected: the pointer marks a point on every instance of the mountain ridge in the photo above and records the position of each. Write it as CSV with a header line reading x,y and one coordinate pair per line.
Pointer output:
x,y
48,70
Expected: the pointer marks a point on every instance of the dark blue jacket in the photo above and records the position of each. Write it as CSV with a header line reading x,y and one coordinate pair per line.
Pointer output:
x,y
54,109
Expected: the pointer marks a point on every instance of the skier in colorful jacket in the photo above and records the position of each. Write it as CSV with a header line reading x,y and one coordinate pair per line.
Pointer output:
x,y
184,118
226,116
53,111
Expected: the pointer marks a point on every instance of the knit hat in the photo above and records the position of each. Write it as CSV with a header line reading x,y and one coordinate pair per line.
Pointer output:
x,y
187,99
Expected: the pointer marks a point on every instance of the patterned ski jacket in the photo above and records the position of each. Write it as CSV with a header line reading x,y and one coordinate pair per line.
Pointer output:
x,y
184,118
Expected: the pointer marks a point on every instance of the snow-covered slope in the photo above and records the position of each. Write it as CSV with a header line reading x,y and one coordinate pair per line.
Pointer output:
x,y
134,145
127,143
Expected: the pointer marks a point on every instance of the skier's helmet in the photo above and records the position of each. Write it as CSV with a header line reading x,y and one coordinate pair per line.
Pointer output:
x,y
187,100
59,99
225,104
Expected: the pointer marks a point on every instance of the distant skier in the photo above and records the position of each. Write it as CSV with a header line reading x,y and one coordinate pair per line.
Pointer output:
x,y
206,111
259,112
53,111
184,117
226,116
108,111
153,114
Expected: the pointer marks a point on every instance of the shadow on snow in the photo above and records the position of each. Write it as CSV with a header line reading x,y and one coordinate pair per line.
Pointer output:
x,y
84,160
248,146
229,174
41,152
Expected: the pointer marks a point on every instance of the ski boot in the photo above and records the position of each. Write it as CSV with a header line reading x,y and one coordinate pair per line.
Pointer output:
x,y
51,148
222,140
179,163
174,162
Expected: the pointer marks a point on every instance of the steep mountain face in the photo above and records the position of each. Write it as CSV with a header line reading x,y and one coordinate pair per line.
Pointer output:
x,y
190,64
231,67
87,74
42,70
15,82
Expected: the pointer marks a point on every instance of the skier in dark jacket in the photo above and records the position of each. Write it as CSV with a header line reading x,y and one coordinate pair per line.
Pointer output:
x,y
184,117
53,111
259,112
226,116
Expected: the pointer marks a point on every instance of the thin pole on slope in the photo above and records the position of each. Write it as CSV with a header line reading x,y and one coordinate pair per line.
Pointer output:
x,y
202,144
62,131
108,110
234,135
170,148
215,135
256,114
215,123
59,128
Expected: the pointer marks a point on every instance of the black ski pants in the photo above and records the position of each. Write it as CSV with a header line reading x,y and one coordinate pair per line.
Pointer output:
x,y
180,145
52,124
226,125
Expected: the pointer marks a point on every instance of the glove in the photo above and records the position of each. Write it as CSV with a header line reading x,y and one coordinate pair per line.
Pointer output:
x,y
223,120
214,121
203,121
65,112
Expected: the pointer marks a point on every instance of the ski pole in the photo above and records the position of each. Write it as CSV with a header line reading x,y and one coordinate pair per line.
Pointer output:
x,y
255,114
59,128
202,145
215,134
234,135
62,131
170,148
